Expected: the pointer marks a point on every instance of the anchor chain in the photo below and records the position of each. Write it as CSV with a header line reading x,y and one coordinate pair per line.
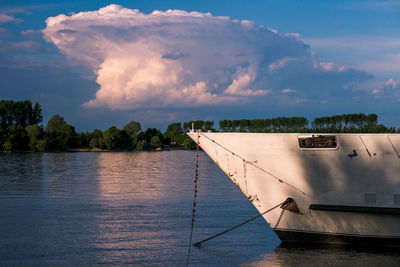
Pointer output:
x,y
194,199
280,217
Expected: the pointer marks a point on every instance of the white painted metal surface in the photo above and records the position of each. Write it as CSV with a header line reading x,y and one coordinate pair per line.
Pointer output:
x,y
256,162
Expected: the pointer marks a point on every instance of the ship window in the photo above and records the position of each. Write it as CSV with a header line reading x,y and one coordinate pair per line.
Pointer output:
x,y
318,141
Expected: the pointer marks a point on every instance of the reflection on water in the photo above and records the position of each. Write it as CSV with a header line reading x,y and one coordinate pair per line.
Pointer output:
x,y
20,174
135,208
143,175
329,256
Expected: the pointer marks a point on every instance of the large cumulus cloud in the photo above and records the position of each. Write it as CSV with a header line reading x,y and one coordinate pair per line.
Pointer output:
x,y
178,58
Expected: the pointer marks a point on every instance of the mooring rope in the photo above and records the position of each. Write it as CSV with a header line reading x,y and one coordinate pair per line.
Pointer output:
x,y
198,244
194,200
254,165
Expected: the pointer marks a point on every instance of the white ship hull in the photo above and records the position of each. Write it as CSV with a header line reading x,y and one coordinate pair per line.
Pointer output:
x,y
348,193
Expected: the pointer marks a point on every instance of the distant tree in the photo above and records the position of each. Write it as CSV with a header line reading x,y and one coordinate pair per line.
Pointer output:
x,y
7,113
41,146
139,146
132,127
2,138
150,132
208,126
188,143
156,141
82,139
20,112
175,133
349,123
17,139
96,140
198,125
36,115
35,133
244,125
59,134
223,126
7,146
112,137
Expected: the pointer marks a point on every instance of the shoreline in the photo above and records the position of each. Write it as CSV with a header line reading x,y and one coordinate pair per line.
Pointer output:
x,y
77,150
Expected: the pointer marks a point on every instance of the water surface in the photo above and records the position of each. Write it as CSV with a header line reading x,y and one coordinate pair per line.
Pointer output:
x,y
135,209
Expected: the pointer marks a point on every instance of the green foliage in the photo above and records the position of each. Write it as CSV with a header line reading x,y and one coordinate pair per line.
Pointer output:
x,y
7,146
41,146
149,133
130,134
139,146
350,123
134,141
132,128
2,138
17,139
188,143
112,137
156,141
96,140
175,133
7,113
20,130
15,116
82,140
198,125
59,134
19,113
36,116
35,134
279,124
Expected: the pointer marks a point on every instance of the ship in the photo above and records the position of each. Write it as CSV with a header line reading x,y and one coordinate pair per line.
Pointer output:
x,y
333,188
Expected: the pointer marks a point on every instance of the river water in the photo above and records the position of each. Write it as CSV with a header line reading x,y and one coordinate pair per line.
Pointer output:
x,y
83,209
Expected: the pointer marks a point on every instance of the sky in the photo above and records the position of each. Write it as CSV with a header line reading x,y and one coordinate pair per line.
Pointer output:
x,y
104,63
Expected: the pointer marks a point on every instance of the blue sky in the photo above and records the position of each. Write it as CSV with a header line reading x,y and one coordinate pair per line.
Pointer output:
x,y
298,58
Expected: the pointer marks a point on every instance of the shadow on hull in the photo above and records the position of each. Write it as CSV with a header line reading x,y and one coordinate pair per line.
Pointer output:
x,y
312,239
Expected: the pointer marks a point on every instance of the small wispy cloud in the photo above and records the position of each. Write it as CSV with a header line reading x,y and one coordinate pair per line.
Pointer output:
x,y
359,42
370,53
389,89
22,46
4,18
288,91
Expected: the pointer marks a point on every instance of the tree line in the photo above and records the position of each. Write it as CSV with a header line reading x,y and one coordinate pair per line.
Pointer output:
x,y
279,124
346,123
21,130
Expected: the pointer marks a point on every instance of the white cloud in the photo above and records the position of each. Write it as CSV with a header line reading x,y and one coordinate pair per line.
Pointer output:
x,y
390,83
4,18
357,42
280,63
288,91
328,66
241,82
370,53
376,91
22,46
389,89
178,58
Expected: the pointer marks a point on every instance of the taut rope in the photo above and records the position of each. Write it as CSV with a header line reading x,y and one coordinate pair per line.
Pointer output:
x,y
198,244
254,165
